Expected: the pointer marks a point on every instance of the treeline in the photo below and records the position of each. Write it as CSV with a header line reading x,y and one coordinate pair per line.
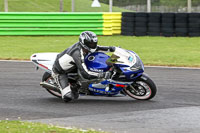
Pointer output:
x,y
154,2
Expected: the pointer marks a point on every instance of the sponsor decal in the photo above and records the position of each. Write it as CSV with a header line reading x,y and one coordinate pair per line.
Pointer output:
x,y
100,91
96,70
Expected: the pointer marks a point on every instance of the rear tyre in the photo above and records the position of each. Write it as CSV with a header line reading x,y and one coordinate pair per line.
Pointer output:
x,y
142,89
47,78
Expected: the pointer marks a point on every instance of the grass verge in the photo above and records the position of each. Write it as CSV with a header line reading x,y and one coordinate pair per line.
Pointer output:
x,y
28,127
174,51
54,6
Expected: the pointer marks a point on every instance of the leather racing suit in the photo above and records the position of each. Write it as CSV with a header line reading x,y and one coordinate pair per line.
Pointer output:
x,y
73,59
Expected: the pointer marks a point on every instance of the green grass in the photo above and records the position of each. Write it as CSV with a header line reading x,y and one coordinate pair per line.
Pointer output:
x,y
35,5
174,51
28,127
53,6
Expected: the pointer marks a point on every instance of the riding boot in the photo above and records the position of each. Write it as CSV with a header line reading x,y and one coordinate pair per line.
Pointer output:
x,y
67,93
62,81
74,89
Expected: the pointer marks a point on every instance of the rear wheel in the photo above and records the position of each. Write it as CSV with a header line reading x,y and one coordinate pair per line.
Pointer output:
x,y
142,89
47,78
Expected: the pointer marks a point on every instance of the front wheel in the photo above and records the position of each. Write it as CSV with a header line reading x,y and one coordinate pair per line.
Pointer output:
x,y
142,89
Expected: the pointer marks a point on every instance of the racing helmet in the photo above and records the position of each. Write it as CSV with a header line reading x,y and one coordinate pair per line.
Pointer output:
x,y
88,41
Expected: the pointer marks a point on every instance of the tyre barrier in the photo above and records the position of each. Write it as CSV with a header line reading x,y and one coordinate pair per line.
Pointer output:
x,y
181,24
168,24
160,24
154,24
194,24
141,20
128,23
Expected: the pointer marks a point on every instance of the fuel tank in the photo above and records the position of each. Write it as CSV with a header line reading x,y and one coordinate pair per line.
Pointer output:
x,y
96,62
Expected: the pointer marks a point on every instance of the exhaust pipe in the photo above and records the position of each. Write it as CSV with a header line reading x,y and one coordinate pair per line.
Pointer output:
x,y
50,86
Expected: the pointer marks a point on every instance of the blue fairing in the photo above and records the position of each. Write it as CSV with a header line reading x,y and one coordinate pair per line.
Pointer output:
x,y
96,62
131,75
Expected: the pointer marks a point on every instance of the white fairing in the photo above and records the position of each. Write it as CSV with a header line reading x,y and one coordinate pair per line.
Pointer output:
x,y
126,58
44,60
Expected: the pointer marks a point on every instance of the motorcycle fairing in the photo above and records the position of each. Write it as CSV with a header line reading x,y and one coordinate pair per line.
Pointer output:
x,y
108,87
124,60
105,88
44,60
129,63
131,75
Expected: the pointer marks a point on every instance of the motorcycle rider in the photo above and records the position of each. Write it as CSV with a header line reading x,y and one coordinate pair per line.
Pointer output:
x,y
73,59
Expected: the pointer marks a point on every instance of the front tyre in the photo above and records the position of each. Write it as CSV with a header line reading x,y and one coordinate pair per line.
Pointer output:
x,y
142,89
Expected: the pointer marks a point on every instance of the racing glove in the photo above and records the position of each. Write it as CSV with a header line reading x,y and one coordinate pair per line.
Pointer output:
x,y
112,49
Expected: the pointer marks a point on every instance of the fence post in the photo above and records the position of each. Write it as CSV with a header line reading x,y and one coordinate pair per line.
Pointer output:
x,y
110,5
73,5
6,5
189,3
148,5
61,5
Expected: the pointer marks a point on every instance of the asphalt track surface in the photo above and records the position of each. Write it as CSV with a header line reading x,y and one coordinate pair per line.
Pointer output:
x,y
175,108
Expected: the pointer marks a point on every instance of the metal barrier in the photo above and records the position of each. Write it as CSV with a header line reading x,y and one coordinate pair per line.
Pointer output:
x,y
13,23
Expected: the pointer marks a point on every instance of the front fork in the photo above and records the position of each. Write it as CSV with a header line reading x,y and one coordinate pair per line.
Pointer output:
x,y
137,88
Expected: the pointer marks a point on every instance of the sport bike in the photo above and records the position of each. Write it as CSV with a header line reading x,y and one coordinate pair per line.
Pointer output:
x,y
127,78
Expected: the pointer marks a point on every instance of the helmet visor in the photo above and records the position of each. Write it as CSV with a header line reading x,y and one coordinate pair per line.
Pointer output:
x,y
92,45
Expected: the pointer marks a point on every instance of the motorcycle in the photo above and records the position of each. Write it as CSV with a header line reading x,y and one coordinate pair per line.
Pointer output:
x,y
127,78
